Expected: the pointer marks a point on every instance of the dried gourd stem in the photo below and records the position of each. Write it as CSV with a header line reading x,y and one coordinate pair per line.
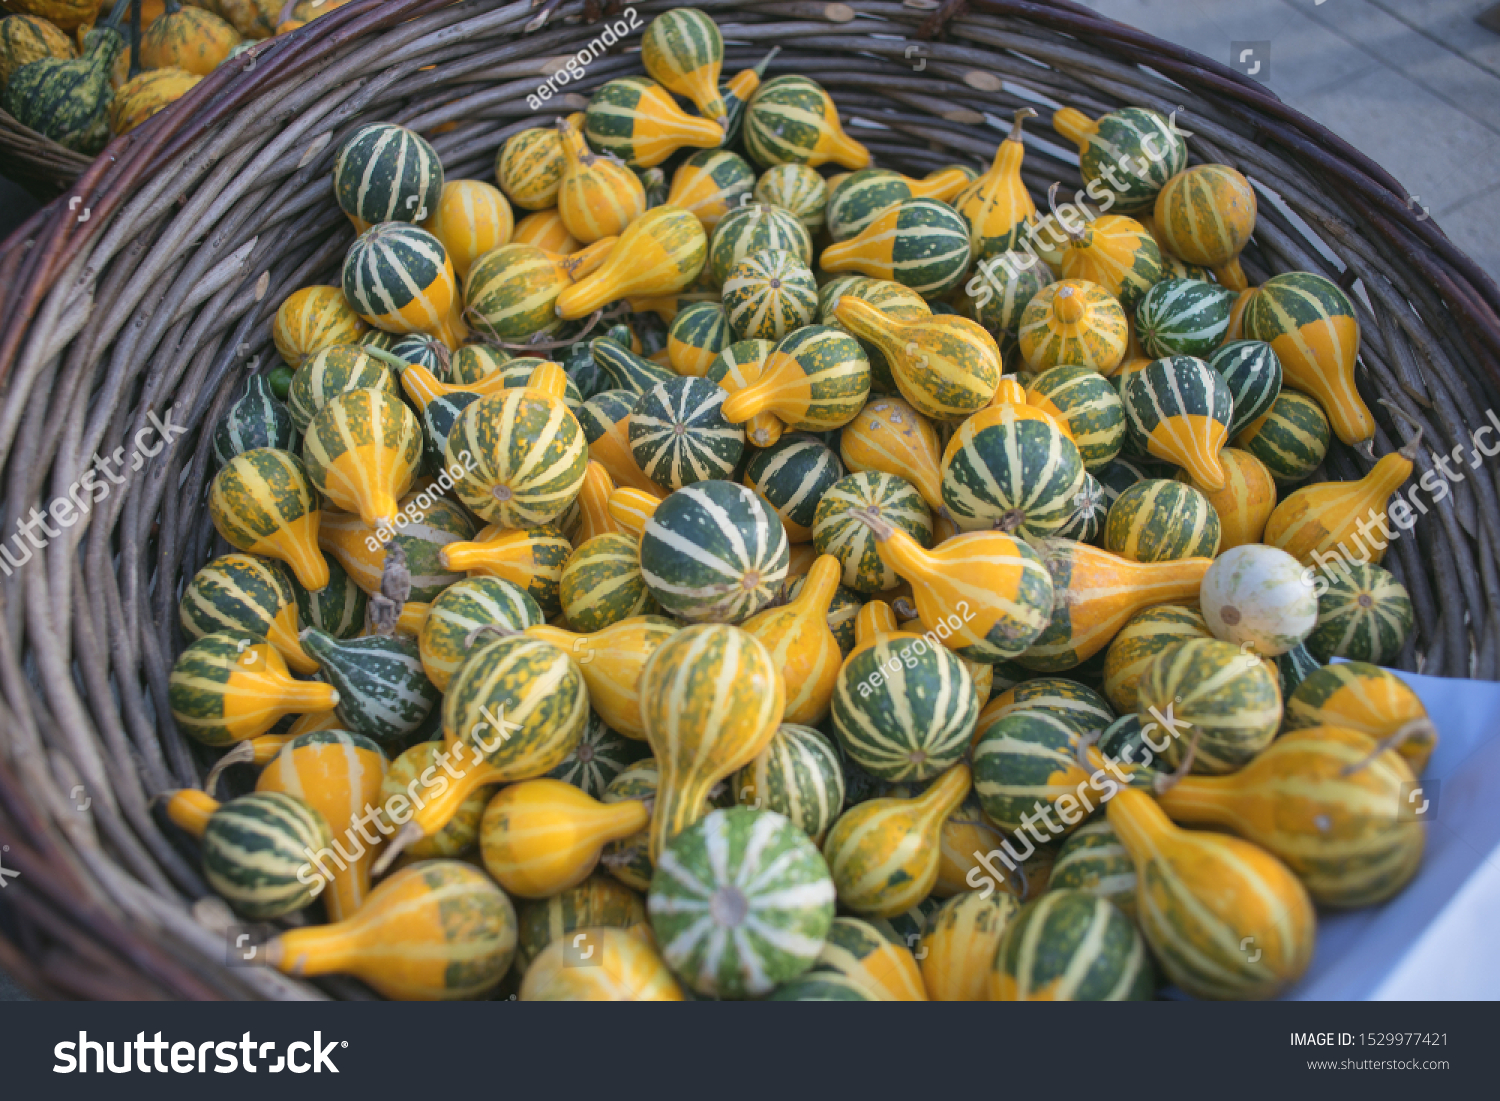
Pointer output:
x,y
243,753
1165,782
384,608
1020,873
879,528
500,630
1410,450
1061,222
1017,119
1087,741
1413,729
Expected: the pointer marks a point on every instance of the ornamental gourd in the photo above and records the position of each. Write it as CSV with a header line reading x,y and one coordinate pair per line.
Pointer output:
x,y
1087,405
436,930
920,243
795,188
1205,215
1319,799
1183,317
697,335
1309,323
1253,373
383,692
600,756
959,944
1160,521
1257,598
616,657
622,369
1095,593
1127,154
711,700
230,686
529,168
791,476
1092,860
838,531
65,99
1369,699
598,197
1202,895
238,592
334,370
511,292
460,610
1073,321
711,184
399,278
531,558
862,954
792,120
30,37
362,452
1291,438
680,435
815,380
1246,501
683,51
801,644
362,550
312,319
1329,519
602,583
738,367
545,230
753,228
1179,409
1149,632
996,207
946,366
1068,701
800,775
543,836
862,196
387,173
636,120
1226,701
883,853
598,902
338,608
891,299
661,252
191,39
1070,946
890,437
593,507
1116,253
261,502
768,295
629,970
1008,469
471,219
1026,762
1364,614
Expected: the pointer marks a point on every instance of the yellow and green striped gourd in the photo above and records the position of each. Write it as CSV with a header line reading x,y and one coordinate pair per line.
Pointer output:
x,y
679,434
1127,155
890,437
752,228
1254,374
1087,405
795,188
385,173
1092,860
529,168
1245,503
737,367
404,790
1364,614
684,52
511,292
920,243
863,196
261,502
946,366
362,452
802,645
542,836
611,661
545,230
597,902
399,278
710,184
311,319
1008,469
1205,215
960,942
838,532
698,334
255,850
659,253
602,583
598,197
628,970
338,608
1183,317
459,611
1291,438
1226,702
1332,519
1116,253
333,370
1160,521
793,120
863,955
600,755
1149,632
426,528
996,207
239,592
531,558
1073,321
768,295
1179,409
791,476
1026,767
1070,946
231,686
798,775
471,219
816,379
891,299
383,692
635,119
1374,701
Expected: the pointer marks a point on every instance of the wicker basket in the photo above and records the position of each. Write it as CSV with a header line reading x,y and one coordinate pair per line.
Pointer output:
x,y
156,292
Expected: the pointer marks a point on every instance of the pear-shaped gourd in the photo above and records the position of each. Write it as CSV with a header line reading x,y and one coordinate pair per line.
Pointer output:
x,y
636,120
311,319
611,662
511,292
362,451
920,243
383,691
68,99
333,370
884,852
711,699
1127,155
792,120
339,775
946,366
627,970
1077,322
801,644
1179,409
997,206
1336,521
598,196
256,419
593,506
543,836
230,686
1095,593
739,366
433,931
531,558
864,195
1224,918
399,278
261,502
815,380
622,369
661,252
985,595
1116,253
1205,215
890,437
238,592
684,52
710,184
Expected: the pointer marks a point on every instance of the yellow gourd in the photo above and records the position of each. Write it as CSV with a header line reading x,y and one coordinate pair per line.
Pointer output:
x,y
815,380
230,686
661,252
612,662
891,437
1333,520
261,502
546,230
628,970
1077,322
801,644
191,39
312,319
531,558
960,942
1356,695
1245,503
997,205
629,509
362,451
593,506
435,930
637,120
472,217
1011,392
1205,216
598,196
738,367
540,837
884,853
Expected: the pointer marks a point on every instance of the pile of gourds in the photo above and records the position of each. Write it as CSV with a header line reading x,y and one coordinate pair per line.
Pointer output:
x,y
713,648
68,72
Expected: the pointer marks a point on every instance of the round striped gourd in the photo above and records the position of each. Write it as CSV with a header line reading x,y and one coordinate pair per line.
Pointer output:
x,y
1026,762
860,952
462,608
253,848
1071,946
1309,322
1093,861
1254,376
545,230
862,196
629,970
1363,697
1088,405
1158,521
1257,598
633,118
529,168
842,611
960,944
384,693
1007,471
741,901
891,299
598,902
1226,700
404,777
238,592
710,184
1149,632
890,437
792,120
1205,215
1130,153
600,755
792,475
822,986
338,608
798,775
678,434
920,243
422,351
522,455
331,371
1183,317
511,293
1119,254
1246,501
753,228
262,502
362,451
698,334
837,532
1179,409
1291,439
471,219
1294,667
714,552
683,51
768,294
602,583
1002,287
1090,511
1075,322
1364,614
904,707
311,319
797,188
387,173
1075,704
399,278
531,558
256,419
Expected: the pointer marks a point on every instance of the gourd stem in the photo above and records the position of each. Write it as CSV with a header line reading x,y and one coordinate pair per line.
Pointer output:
x,y
1407,730
498,629
1408,452
404,838
1021,115
1057,217
878,527
1165,783
242,753
1020,871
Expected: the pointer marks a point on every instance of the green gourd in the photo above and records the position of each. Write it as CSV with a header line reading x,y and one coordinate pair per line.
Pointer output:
x,y
68,100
